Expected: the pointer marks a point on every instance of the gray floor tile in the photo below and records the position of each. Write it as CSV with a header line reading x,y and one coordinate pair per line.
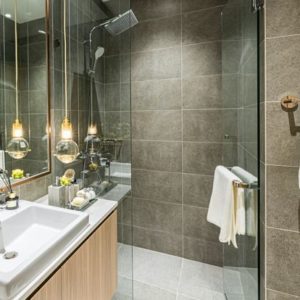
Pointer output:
x,y
196,276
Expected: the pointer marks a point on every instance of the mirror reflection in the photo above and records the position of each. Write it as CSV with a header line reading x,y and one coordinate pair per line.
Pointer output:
x,y
24,110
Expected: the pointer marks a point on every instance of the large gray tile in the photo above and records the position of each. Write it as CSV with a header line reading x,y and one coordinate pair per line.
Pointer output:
x,y
189,5
157,64
196,276
112,97
201,59
112,69
157,185
156,33
201,158
144,291
156,125
203,294
197,189
195,224
231,56
155,240
280,145
283,65
213,91
157,215
286,22
198,127
147,263
164,156
156,94
34,190
283,198
283,264
149,9
274,295
201,26
203,251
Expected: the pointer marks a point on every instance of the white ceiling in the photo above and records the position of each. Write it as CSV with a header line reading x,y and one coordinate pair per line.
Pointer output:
x,y
27,10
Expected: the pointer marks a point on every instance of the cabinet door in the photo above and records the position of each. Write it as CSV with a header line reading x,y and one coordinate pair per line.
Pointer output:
x,y
91,273
51,290
106,238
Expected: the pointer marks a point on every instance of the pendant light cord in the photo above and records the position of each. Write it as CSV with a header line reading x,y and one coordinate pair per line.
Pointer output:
x,y
65,59
16,61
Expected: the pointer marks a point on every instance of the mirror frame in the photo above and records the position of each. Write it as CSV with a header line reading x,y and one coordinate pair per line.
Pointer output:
x,y
49,171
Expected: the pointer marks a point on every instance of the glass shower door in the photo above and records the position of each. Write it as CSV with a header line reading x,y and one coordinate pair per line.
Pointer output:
x,y
240,94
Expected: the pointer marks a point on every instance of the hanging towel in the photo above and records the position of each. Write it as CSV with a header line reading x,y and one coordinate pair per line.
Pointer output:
x,y
251,202
223,204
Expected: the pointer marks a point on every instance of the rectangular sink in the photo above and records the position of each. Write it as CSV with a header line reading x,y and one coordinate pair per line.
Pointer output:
x,y
37,233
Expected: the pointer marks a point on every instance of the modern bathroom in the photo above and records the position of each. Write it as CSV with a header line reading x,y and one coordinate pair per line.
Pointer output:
x,y
149,150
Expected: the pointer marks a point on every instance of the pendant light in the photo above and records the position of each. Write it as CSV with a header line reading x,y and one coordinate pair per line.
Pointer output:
x,y
17,147
66,149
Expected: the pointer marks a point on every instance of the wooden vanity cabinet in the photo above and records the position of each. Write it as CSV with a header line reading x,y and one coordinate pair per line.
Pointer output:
x,y
90,273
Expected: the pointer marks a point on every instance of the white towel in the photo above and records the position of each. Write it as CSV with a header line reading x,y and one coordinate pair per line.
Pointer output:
x,y
251,202
221,209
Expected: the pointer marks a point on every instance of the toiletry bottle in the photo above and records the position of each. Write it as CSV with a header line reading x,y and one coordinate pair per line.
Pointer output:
x,y
56,194
12,201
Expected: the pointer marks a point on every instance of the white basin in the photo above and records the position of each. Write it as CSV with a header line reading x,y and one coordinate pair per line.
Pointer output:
x,y
37,233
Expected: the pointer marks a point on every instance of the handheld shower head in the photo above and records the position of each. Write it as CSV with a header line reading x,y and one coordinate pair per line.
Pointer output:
x,y
98,54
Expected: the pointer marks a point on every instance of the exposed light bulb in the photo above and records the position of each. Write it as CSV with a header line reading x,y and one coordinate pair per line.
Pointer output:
x,y
8,16
66,129
92,129
17,129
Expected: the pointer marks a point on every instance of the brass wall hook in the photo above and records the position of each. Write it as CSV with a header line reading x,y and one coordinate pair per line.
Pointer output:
x,y
289,104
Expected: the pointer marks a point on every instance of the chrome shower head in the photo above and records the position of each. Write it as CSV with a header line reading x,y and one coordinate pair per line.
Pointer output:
x,y
121,23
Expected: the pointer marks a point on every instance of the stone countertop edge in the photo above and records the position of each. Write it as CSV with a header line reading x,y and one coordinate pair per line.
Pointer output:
x,y
97,212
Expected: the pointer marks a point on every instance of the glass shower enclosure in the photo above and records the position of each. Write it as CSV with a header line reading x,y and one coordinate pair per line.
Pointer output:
x,y
240,93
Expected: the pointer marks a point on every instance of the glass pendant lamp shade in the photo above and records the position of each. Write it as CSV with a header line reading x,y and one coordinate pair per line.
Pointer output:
x,y
66,149
17,147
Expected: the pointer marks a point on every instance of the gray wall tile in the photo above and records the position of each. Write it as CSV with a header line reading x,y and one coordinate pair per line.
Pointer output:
x,y
156,33
156,94
157,240
195,224
283,200
198,125
283,65
188,5
164,156
283,264
201,158
149,9
156,125
201,59
201,26
197,189
284,23
157,215
158,64
157,185
274,295
202,250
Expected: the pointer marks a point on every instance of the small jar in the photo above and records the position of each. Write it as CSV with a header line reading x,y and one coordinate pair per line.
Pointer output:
x,y
12,201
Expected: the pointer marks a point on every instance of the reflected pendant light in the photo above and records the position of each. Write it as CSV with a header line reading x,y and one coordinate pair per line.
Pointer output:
x,y
17,147
66,149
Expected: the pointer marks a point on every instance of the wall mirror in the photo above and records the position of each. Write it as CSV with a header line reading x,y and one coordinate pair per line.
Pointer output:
x,y
24,89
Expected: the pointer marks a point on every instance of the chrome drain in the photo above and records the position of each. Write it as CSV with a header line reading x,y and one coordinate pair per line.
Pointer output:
x,y
10,255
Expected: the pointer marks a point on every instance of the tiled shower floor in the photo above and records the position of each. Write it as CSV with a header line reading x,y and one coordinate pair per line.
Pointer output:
x,y
159,276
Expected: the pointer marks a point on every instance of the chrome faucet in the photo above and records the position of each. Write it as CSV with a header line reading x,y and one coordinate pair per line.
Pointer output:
x,y
2,249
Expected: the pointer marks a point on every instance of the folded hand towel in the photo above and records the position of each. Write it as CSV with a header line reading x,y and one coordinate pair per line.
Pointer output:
x,y
251,202
221,207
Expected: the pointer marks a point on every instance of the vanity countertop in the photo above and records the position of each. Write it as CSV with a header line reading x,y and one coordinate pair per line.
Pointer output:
x,y
97,212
